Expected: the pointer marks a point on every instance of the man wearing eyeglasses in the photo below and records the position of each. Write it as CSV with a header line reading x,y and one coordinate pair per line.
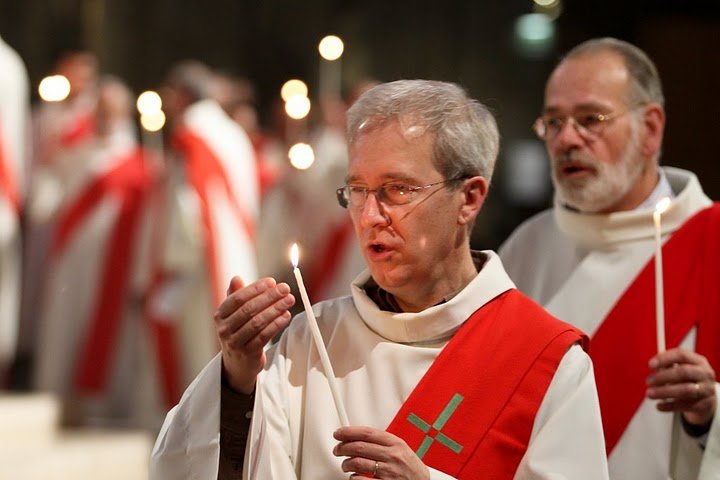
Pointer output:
x,y
445,370
589,261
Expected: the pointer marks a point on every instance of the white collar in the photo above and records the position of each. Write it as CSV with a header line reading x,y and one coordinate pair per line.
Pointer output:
x,y
438,322
661,190
605,230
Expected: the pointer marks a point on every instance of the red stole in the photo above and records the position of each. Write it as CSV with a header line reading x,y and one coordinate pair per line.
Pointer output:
x,y
130,183
79,130
165,340
165,335
8,180
625,342
204,170
472,413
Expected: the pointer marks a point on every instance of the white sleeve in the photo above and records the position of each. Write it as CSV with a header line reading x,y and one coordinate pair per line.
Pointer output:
x,y
567,439
271,449
710,466
188,446
269,445
438,475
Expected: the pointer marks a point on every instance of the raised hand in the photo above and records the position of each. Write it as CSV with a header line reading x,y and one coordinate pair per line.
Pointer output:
x,y
248,318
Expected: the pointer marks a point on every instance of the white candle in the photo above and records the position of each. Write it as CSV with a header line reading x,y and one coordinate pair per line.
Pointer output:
x,y
330,78
152,120
158,143
331,48
152,148
661,206
152,137
145,143
317,338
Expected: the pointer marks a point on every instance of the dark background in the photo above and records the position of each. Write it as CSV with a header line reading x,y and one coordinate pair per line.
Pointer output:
x,y
470,42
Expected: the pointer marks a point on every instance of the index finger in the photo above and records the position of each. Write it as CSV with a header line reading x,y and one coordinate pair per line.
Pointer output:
x,y
236,283
675,356
242,295
363,434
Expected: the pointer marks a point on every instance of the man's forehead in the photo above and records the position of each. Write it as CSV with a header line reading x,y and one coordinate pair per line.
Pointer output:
x,y
592,65
587,82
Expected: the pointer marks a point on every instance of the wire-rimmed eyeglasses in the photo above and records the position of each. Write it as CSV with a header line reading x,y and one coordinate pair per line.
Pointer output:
x,y
588,125
390,193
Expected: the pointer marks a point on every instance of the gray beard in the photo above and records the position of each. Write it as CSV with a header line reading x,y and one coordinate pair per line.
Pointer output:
x,y
607,187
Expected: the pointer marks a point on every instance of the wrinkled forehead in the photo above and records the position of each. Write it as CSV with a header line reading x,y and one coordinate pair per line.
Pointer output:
x,y
597,79
391,150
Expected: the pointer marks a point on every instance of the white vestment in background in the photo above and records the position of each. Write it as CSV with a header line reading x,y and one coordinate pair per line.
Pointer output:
x,y
14,141
201,252
76,276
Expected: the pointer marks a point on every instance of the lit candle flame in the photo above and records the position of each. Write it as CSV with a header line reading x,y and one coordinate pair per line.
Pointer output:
x,y
54,88
331,47
153,122
293,87
294,255
662,205
301,156
148,103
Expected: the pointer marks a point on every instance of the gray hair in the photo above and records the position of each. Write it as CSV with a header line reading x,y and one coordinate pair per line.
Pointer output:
x,y
193,77
466,134
645,85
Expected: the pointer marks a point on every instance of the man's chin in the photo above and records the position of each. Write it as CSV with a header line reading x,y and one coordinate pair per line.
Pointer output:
x,y
584,204
573,184
387,277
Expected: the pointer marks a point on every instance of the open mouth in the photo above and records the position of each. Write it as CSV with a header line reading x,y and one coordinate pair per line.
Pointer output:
x,y
377,248
572,169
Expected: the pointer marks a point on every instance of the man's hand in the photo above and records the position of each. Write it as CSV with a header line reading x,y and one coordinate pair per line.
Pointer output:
x,y
248,318
684,382
376,453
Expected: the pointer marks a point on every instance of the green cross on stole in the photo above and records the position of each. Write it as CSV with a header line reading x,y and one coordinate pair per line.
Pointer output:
x,y
432,432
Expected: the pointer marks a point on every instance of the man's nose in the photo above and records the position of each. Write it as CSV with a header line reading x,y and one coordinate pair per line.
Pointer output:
x,y
567,138
372,213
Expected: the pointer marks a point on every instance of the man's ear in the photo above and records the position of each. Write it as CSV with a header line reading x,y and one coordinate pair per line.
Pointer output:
x,y
654,126
474,192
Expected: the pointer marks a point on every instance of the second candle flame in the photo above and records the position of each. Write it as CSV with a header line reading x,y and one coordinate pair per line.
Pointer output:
x,y
294,255
662,205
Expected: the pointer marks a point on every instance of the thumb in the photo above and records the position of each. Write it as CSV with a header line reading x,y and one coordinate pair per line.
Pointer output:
x,y
236,283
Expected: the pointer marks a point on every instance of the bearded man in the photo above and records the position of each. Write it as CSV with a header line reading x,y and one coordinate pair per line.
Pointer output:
x,y
589,261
